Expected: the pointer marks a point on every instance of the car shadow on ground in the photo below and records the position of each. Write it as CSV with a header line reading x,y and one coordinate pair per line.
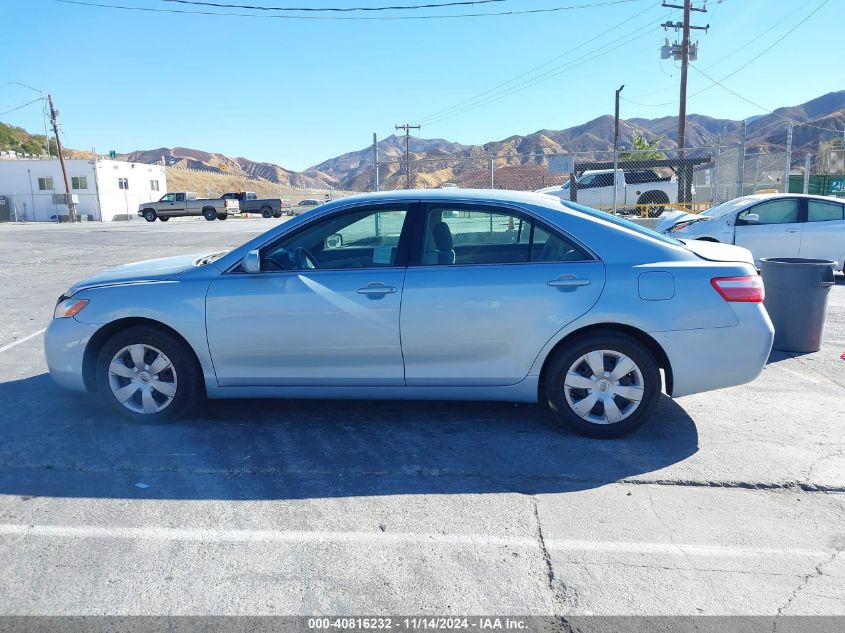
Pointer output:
x,y
57,443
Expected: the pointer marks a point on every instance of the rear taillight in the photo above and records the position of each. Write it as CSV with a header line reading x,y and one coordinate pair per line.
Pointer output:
x,y
748,289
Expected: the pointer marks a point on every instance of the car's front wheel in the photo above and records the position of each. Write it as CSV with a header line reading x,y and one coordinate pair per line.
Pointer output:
x,y
150,215
603,384
147,374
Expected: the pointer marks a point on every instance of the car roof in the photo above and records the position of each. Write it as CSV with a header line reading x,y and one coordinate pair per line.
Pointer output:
x,y
455,195
773,196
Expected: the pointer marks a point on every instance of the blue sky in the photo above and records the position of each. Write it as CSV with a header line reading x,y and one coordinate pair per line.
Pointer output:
x,y
295,92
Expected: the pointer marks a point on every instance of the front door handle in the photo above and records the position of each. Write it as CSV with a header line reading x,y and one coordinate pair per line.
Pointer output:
x,y
376,289
568,281
792,230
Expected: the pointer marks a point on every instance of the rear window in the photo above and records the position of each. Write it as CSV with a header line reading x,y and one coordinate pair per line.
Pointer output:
x,y
613,219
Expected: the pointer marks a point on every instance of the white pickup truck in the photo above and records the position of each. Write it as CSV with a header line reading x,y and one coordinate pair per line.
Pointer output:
x,y
635,187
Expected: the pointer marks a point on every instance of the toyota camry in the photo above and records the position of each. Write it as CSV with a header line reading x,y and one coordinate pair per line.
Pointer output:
x,y
441,294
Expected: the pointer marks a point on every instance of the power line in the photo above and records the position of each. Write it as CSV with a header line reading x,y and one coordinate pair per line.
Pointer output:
x,y
597,52
21,106
522,76
757,105
371,18
336,9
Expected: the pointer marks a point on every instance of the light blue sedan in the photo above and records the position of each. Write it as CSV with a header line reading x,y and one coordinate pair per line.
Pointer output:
x,y
446,294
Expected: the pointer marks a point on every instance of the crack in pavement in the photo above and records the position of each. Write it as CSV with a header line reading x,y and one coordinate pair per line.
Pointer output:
x,y
569,594
805,580
433,473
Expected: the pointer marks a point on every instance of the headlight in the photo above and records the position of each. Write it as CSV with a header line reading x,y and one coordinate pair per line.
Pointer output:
x,y
69,308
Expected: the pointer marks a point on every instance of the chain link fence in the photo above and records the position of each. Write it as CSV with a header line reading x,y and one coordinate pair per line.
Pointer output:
x,y
653,180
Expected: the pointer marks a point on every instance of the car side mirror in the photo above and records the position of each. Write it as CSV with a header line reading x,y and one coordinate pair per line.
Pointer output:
x,y
251,263
334,241
751,218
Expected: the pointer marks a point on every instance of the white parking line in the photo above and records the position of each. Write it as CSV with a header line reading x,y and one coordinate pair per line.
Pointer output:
x,y
22,340
211,535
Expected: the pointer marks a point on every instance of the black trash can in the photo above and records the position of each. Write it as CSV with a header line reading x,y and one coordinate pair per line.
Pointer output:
x,y
797,290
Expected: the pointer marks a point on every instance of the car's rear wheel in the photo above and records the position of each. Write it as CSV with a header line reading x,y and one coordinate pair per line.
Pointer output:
x,y
222,216
266,212
164,218
603,384
150,215
278,214
657,200
209,214
147,374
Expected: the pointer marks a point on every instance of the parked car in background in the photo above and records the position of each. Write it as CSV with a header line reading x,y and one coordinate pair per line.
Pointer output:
x,y
306,205
439,294
769,225
186,203
249,202
636,187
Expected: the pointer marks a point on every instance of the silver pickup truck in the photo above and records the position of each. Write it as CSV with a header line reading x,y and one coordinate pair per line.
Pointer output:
x,y
185,203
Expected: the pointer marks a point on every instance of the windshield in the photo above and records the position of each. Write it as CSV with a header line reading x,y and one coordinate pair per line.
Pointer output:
x,y
607,217
726,207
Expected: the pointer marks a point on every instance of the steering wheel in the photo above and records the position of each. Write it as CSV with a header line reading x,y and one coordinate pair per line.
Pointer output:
x,y
303,259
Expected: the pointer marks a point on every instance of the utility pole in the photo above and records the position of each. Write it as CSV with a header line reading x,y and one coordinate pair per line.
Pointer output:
x,y
683,52
54,116
616,147
407,127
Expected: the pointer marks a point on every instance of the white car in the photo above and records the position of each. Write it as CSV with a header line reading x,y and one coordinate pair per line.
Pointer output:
x,y
769,225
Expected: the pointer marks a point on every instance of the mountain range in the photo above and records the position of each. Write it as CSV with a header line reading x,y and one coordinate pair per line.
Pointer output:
x,y
354,170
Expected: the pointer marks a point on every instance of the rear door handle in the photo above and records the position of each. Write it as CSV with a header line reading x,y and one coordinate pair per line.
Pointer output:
x,y
376,288
792,230
568,281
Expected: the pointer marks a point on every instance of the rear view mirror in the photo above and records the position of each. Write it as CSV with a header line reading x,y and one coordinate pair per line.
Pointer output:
x,y
334,241
251,263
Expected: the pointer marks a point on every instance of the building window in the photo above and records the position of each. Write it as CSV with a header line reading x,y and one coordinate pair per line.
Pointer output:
x,y
123,183
154,185
79,182
45,184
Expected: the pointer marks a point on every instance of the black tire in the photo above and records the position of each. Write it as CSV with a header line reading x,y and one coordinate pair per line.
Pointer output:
x,y
164,218
150,215
657,198
266,212
209,214
222,216
187,371
602,340
278,214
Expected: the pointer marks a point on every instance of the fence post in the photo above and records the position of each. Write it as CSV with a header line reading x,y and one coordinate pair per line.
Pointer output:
x,y
491,172
807,159
714,174
740,172
375,160
787,163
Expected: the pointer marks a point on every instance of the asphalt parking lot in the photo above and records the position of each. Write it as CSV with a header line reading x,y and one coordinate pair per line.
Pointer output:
x,y
729,503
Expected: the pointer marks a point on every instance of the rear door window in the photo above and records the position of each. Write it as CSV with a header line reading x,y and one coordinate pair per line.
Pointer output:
x,y
823,211
467,235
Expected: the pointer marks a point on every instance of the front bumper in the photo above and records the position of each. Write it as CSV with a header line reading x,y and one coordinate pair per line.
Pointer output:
x,y
714,358
64,348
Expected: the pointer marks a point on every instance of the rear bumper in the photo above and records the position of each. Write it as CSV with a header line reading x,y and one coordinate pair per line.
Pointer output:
x,y
64,348
714,358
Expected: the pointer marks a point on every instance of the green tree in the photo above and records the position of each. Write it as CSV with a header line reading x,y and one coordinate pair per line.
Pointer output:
x,y
643,149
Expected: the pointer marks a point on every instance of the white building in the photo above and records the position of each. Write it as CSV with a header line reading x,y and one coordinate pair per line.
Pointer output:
x,y
103,189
